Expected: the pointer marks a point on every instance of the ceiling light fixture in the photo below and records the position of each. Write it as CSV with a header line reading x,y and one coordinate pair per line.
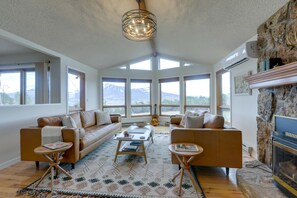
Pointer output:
x,y
139,24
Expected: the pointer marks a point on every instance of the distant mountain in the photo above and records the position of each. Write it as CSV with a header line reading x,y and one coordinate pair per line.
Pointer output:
x,y
139,95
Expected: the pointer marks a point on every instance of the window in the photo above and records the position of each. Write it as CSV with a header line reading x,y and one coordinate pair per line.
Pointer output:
x,y
143,65
223,95
114,95
167,64
10,87
140,97
30,87
76,90
197,92
17,86
169,96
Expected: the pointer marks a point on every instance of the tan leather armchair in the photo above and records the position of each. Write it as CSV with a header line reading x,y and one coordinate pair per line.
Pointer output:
x,y
221,147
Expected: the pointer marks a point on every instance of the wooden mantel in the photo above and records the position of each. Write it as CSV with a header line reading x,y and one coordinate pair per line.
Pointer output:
x,y
282,75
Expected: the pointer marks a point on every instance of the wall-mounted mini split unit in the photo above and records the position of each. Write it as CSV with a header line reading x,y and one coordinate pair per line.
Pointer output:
x,y
242,54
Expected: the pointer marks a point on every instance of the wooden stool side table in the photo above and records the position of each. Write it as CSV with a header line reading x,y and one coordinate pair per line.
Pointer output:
x,y
184,158
54,156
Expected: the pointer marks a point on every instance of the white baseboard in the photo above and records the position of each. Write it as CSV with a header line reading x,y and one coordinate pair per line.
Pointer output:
x,y
9,163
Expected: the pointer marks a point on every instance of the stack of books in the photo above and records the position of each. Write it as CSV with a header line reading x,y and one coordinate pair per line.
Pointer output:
x,y
130,148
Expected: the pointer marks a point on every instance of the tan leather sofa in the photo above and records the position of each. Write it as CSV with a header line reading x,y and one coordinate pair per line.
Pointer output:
x,y
94,135
221,147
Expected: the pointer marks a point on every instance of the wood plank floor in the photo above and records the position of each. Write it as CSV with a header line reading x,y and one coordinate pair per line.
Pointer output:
x,y
213,180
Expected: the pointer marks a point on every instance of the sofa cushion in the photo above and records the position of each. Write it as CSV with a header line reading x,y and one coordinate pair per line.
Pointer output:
x,y
194,121
103,118
49,121
76,118
88,118
69,122
94,133
213,121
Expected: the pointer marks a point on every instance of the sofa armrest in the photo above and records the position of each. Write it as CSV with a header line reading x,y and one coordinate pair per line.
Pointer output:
x,y
30,138
115,118
71,135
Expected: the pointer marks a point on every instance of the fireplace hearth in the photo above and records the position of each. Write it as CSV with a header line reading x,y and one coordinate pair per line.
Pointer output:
x,y
284,154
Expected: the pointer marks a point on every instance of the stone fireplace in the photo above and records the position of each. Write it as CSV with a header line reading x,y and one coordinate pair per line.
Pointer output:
x,y
277,38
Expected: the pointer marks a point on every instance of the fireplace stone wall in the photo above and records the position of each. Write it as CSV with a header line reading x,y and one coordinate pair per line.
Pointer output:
x,y
277,38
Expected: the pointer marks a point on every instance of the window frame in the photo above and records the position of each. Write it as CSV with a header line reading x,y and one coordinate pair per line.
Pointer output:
x,y
82,90
148,105
168,59
23,82
115,79
219,106
196,77
166,80
139,61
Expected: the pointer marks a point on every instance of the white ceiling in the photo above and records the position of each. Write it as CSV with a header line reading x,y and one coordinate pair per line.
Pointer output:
x,y
89,31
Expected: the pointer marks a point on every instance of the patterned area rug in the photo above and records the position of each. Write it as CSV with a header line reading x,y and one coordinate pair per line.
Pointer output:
x,y
97,174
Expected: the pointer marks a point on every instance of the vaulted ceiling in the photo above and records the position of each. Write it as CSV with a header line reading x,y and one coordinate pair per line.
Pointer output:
x,y
89,31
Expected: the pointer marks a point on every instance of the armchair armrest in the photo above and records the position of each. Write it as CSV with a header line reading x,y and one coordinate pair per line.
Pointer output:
x,y
115,118
175,119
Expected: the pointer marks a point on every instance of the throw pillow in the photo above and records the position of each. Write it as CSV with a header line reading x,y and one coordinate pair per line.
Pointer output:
x,y
82,133
194,121
213,121
183,120
103,118
88,118
76,118
68,122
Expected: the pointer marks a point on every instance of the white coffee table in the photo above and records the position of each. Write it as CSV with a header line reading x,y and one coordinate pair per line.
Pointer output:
x,y
139,136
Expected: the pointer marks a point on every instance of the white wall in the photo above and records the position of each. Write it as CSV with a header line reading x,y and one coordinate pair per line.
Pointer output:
x,y
14,117
244,107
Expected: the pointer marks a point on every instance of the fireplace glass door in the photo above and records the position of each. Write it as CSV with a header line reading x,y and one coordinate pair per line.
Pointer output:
x,y
285,165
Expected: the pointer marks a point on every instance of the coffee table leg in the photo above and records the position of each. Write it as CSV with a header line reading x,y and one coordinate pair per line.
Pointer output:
x,y
143,149
117,151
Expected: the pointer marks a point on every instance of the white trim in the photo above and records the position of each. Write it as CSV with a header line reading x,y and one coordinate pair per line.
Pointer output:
x,y
9,163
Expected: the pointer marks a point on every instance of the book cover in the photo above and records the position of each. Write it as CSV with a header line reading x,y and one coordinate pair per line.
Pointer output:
x,y
55,145
186,148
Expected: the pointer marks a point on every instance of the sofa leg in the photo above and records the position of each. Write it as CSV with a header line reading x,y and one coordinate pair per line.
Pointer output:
x,y
37,164
72,166
227,171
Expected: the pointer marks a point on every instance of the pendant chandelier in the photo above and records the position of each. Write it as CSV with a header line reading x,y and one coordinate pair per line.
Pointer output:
x,y
138,24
